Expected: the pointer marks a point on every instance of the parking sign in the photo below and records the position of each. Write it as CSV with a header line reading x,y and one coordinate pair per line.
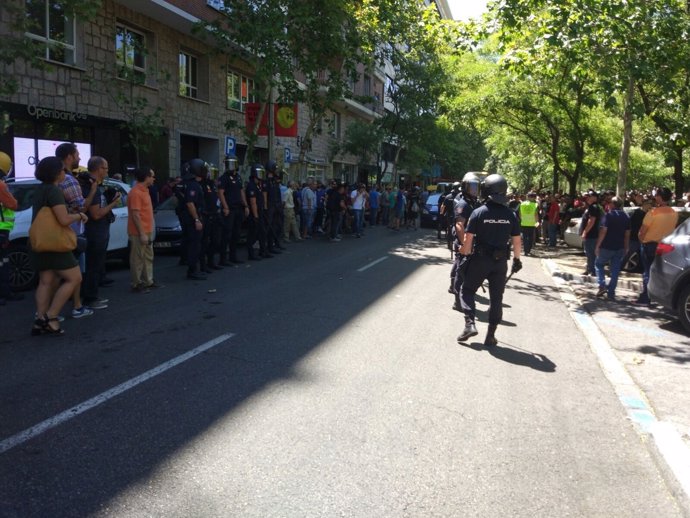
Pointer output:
x,y
288,155
229,146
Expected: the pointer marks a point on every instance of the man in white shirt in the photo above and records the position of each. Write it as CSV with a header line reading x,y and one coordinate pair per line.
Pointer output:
x,y
359,199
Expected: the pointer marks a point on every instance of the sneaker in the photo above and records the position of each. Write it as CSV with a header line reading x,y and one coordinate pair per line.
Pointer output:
x,y
98,304
83,311
335,239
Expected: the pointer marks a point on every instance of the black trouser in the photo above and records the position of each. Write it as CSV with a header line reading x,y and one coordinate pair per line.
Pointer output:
x,y
274,226
256,232
191,243
318,220
211,238
479,268
96,251
334,216
232,224
457,275
4,264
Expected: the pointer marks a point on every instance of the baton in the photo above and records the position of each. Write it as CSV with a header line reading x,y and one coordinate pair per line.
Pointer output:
x,y
509,276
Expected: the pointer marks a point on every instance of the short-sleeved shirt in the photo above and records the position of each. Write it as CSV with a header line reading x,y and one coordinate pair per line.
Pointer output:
x,y
140,201
97,230
334,199
616,223
74,198
210,196
493,225
231,185
593,211
660,222
49,195
193,193
374,199
253,191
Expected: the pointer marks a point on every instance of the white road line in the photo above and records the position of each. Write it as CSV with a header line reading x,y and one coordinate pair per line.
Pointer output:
x,y
62,417
374,263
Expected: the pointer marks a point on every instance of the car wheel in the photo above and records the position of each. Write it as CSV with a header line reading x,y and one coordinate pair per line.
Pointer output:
x,y
22,274
632,263
684,308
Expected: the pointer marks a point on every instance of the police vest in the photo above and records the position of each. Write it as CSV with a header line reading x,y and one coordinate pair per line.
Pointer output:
x,y
528,213
6,218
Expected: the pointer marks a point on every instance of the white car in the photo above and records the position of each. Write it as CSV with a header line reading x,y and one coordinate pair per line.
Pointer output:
x,y
22,275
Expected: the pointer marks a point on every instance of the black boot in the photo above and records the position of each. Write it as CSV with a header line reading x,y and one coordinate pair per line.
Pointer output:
x,y
490,340
469,331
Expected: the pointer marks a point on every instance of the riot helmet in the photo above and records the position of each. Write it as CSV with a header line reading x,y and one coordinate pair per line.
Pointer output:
x,y
470,185
195,168
231,163
5,164
456,188
271,167
495,188
257,171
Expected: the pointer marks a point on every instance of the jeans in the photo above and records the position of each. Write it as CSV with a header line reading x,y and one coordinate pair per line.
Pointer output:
x,y
615,257
647,253
359,214
373,212
307,221
590,246
553,234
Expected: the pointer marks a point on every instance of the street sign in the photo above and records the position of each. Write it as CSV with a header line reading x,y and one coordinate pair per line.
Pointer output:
x,y
229,146
288,155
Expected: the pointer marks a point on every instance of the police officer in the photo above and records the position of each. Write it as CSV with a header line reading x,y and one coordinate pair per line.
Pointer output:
x,y
8,204
273,203
210,241
490,230
255,201
442,211
234,209
448,212
463,205
190,213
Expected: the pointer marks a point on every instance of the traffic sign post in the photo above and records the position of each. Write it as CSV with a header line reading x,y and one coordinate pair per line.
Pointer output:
x,y
229,146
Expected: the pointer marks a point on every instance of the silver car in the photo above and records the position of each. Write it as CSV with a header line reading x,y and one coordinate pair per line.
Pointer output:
x,y
669,280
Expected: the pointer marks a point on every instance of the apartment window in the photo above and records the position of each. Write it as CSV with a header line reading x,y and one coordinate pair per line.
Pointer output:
x,y
335,126
241,90
130,53
50,24
189,75
367,85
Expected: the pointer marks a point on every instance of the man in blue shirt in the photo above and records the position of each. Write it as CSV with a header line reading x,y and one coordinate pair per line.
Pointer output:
x,y
613,241
373,206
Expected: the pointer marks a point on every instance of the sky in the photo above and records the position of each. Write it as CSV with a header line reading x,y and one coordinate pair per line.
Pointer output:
x,y
466,9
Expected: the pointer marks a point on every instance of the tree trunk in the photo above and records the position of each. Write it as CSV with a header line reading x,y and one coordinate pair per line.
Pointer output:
x,y
556,180
624,161
572,185
678,181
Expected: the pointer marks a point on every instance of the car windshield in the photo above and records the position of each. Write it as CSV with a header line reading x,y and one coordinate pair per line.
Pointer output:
x,y
24,193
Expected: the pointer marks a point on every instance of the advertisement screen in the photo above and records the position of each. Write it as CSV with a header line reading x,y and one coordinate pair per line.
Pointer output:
x,y
28,152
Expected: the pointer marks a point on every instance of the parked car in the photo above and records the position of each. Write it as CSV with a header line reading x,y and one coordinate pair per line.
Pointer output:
x,y
632,261
429,217
22,275
168,228
669,279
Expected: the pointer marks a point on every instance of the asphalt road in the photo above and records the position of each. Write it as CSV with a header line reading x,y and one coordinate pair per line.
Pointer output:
x,y
324,382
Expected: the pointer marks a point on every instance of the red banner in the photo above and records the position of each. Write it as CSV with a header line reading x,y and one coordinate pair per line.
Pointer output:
x,y
251,112
285,120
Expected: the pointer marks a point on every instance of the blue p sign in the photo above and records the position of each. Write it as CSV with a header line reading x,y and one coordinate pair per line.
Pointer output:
x,y
229,146
288,155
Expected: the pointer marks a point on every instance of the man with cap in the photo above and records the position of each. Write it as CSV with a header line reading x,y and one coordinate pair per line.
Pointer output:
x,y
490,231
590,229
656,225
529,221
8,204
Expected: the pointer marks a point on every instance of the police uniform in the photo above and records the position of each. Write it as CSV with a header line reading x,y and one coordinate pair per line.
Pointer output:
x,y
230,187
449,205
192,237
257,230
210,243
490,230
274,209
462,210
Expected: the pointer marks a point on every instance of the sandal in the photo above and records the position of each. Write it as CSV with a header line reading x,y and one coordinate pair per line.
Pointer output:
x,y
38,327
49,330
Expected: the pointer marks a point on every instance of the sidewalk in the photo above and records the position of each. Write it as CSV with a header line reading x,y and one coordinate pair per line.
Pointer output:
x,y
643,350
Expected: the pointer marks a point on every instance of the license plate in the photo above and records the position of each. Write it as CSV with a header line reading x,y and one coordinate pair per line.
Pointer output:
x,y
162,244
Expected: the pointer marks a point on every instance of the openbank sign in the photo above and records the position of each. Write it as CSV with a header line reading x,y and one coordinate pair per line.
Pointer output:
x,y
46,113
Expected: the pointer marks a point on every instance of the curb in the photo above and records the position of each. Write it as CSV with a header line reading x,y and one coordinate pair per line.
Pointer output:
x,y
669,449
629,284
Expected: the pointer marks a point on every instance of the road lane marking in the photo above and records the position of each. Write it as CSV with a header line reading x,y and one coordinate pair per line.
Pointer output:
x,y
65,416
373,263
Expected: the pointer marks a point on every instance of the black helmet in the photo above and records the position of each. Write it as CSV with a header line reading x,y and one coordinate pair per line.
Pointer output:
x,y
495,188
470,185
271,166
193,168
456,187
257,171
231,163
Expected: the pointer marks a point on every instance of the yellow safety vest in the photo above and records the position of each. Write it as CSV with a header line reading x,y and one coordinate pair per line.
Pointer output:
x,y
528,213
6,218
